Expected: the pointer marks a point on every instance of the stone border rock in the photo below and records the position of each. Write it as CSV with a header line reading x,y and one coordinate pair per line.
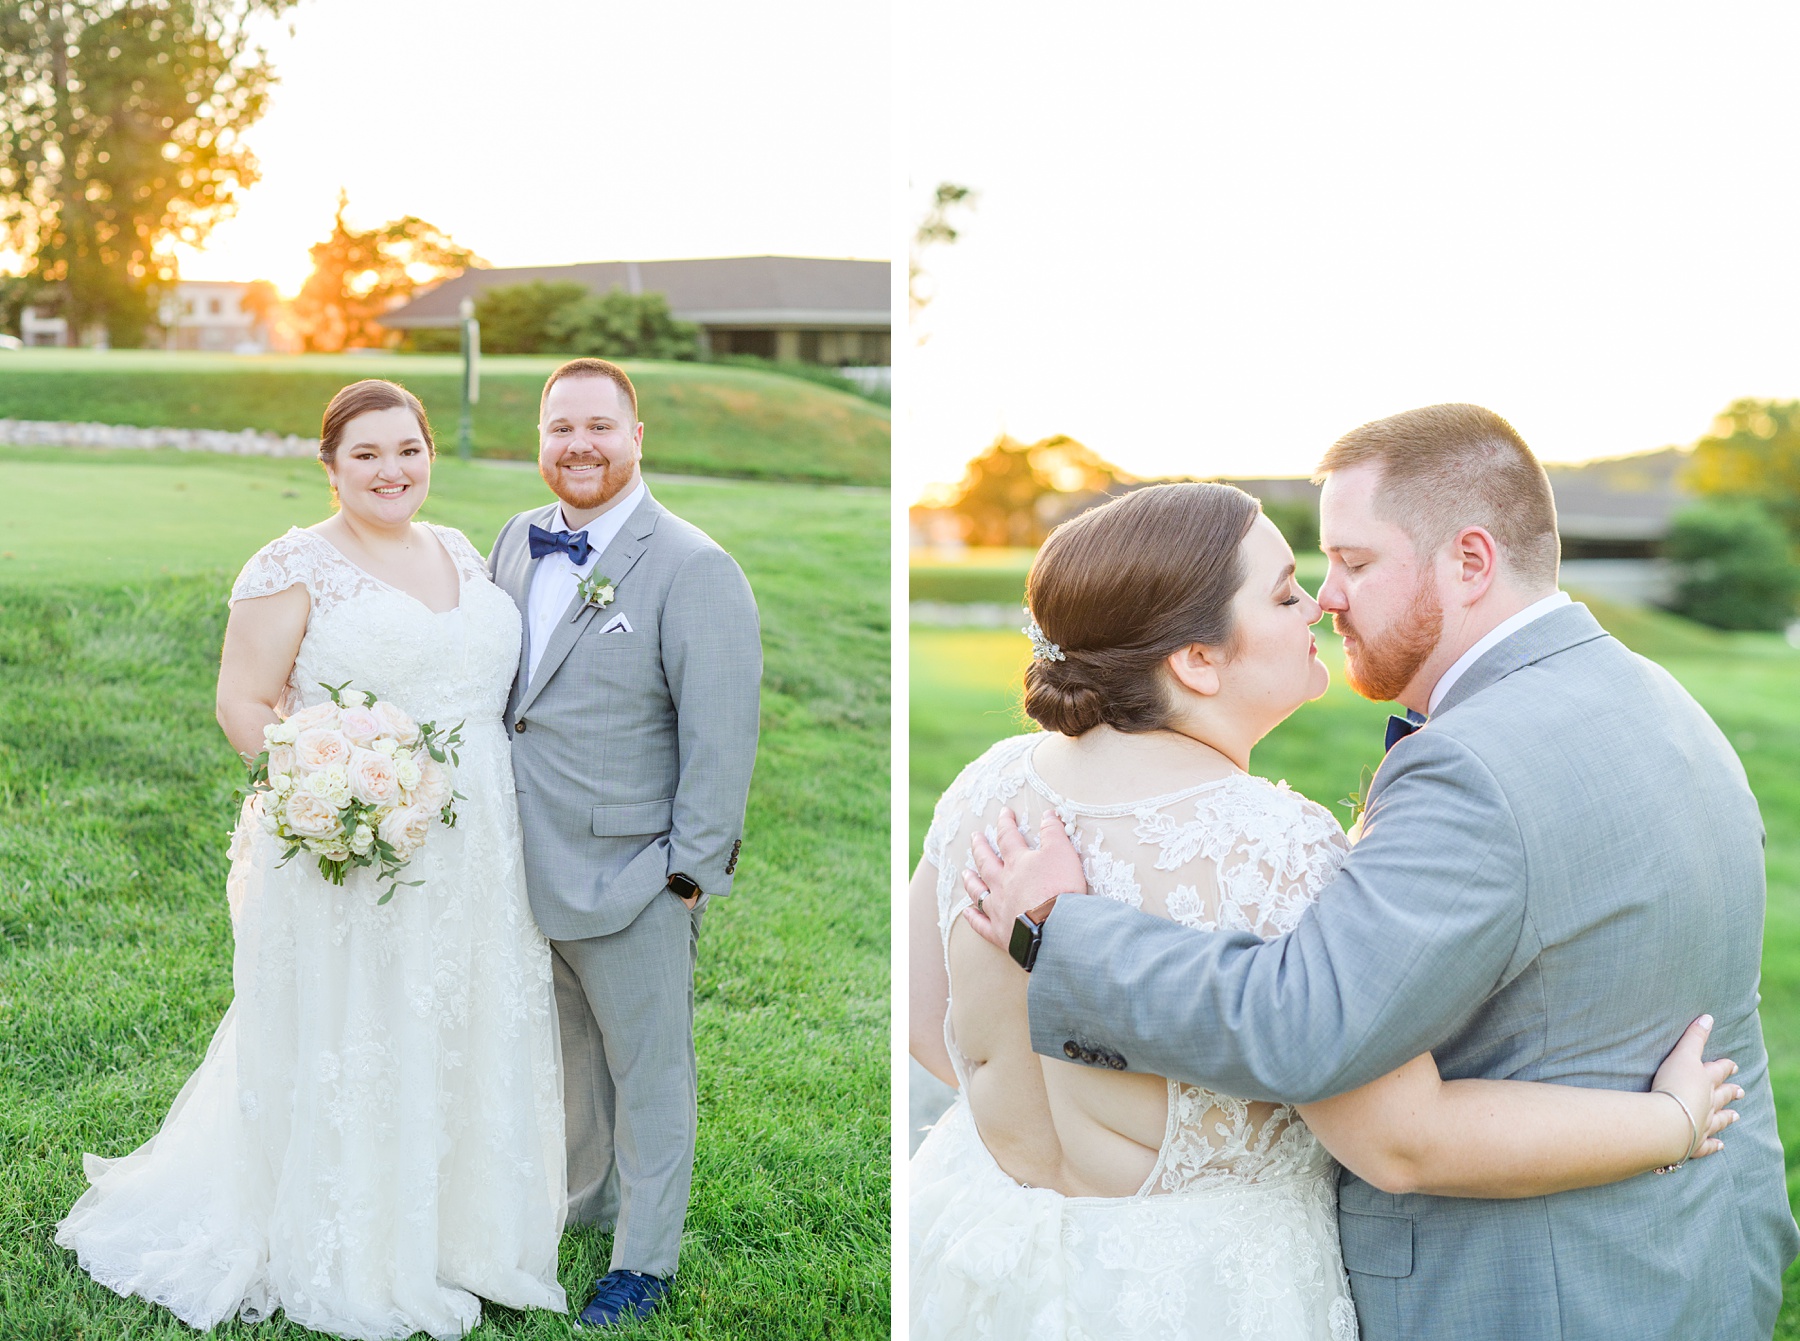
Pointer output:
x,y
244,442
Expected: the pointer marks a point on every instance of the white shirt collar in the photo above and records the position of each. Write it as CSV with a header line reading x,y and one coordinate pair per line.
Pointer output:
x,y
605,528
1503,630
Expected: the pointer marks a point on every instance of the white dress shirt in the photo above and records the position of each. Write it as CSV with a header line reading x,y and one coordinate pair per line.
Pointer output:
x,y
1505,629
555,576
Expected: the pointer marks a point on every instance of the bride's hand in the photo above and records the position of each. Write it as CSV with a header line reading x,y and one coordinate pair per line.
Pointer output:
x,y
1705,1087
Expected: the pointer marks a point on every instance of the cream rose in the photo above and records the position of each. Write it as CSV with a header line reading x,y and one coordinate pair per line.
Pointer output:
x,y
360,725
386,745
372,779
281,783
280,733
317,715
434,785
282,759
407,770
319,748
406,828
396,723
331,785
310,816
362,840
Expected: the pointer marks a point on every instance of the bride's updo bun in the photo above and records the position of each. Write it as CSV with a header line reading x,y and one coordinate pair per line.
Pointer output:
x,y
1120,588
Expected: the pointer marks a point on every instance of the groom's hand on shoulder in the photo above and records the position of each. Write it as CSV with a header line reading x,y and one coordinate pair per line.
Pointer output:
x,y
1016,878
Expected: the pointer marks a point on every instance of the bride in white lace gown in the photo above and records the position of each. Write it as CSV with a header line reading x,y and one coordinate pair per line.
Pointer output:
x,y
374,1141
1069,1200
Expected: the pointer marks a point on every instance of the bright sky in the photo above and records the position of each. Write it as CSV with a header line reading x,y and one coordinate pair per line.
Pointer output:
x,y
1213,237
543,132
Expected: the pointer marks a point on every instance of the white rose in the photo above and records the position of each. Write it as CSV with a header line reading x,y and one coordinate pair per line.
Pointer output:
x,y
386,745
360,725
362,840
331,785
372,779
405,828
407,770
336,854
310,816
280,733
281,783
396,723
320,748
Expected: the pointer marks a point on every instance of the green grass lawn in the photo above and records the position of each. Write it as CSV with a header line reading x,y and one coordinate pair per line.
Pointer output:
x,y
964,696
700,419
115,944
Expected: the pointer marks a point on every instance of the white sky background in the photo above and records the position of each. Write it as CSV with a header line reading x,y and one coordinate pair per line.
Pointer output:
x,y
1213,237
543,132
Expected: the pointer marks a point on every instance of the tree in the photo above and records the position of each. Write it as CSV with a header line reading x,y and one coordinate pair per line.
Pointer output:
x,y
616,324
1753,452
121,125
515,318
359,275
935,229
1733,569
1015,492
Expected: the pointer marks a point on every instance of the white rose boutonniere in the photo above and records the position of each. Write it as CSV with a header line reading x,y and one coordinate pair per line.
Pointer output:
x,y
597,590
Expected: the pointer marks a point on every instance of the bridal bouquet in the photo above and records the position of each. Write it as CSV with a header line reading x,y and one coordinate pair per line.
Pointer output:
x,y
356,784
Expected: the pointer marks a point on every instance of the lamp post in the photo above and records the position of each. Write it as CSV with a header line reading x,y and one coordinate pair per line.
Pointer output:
x,y
471,379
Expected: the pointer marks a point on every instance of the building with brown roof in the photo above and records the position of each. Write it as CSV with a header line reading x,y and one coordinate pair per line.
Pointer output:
x,y
797,309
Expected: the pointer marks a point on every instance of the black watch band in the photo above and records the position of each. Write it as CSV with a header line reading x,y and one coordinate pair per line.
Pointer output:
x,y
683,885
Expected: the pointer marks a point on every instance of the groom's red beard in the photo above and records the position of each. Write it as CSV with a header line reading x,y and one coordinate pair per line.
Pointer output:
x,y
1382,669
589,489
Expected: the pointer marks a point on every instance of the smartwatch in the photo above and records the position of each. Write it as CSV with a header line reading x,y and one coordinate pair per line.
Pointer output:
x,y
683,886
1028,935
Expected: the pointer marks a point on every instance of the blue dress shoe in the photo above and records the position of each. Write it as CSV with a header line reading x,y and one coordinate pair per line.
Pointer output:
x,y
620,1296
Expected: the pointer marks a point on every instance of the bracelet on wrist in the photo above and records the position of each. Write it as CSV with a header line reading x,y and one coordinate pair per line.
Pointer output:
x,y
1693,1122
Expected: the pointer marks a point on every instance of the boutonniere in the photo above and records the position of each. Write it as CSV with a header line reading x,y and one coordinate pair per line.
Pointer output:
x,y
597,590
1357,802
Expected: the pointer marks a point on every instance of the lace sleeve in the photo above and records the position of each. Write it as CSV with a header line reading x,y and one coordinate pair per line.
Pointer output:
x,y
963,809
277,566
461,550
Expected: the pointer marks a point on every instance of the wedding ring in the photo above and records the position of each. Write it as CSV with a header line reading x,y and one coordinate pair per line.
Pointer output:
x,y
980,901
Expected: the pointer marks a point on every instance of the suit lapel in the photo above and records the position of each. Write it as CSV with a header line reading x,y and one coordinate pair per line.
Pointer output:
x,y
1556,632
616,561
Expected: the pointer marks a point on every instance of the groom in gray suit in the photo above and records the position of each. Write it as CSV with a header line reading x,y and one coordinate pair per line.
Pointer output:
x,y
1560,866
634,720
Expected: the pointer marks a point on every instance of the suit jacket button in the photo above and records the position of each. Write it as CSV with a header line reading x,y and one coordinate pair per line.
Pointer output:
x,y
1089,1056
519,726
1071,1051
1115,1061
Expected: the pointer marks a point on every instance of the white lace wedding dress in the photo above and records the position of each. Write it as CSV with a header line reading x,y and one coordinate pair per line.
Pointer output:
x,y
1234,1233
375,1137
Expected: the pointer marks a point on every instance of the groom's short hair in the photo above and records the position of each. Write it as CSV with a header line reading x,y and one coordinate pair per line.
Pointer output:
x,y
591,368
1445,467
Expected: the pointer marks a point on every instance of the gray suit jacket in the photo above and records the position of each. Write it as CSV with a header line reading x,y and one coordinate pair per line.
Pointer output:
x,y
1555,875
632,751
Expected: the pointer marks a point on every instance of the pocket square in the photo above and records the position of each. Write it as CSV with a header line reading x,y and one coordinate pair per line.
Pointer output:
x,y
618,624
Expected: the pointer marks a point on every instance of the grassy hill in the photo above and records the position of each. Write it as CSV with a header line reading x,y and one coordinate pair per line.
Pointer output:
x,y
700,419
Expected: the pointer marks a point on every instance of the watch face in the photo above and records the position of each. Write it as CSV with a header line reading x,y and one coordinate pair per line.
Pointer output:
x,y
684,886
1024,942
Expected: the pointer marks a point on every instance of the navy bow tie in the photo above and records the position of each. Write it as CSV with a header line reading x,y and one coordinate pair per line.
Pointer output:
x,y
573,543
1399,728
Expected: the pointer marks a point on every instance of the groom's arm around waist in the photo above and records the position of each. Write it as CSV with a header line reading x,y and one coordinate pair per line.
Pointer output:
x,y
1426,920
712,659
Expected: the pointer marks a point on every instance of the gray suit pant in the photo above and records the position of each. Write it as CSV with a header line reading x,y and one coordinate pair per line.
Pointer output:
x,y
625,1006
